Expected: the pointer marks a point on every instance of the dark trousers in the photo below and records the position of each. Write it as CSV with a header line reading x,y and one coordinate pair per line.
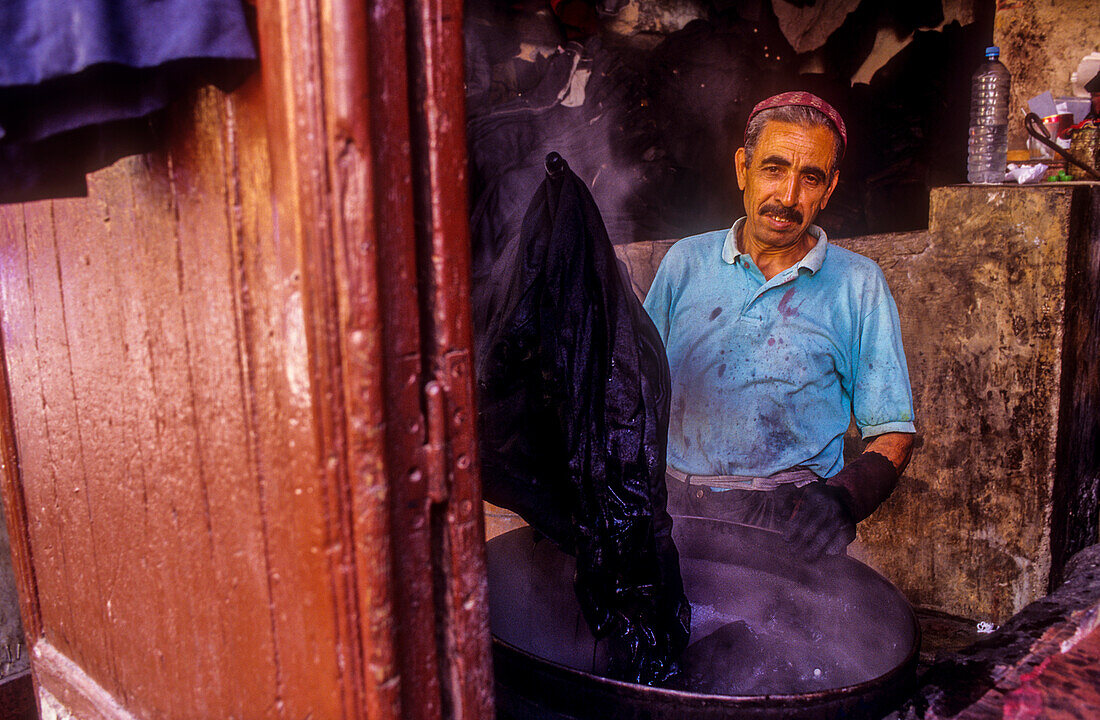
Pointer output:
x,y
767,509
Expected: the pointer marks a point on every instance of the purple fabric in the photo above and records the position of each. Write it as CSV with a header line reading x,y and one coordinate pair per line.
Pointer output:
x,y
45,39
79,80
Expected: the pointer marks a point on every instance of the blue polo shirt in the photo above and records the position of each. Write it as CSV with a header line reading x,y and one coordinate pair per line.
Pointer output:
x,y
766,375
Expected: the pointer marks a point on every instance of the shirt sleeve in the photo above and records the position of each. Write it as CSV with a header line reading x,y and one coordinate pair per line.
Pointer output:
x,y
882,400
658,301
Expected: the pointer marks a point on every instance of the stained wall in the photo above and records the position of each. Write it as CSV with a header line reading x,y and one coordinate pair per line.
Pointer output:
x,y
994,319
1041,42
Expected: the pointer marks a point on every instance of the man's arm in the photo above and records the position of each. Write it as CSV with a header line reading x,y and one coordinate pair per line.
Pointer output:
x,y
882,403
895,446
883,410
827,523
869,479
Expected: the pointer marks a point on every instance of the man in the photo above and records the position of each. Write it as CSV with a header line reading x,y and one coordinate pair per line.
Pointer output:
x,y
775,339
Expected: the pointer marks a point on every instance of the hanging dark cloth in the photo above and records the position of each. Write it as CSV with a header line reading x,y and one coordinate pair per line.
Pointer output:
x,y
80,78
574,402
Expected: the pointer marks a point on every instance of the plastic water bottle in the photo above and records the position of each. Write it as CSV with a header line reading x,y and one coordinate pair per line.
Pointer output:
x,y
988,151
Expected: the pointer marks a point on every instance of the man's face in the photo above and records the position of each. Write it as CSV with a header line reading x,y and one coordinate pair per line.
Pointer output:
x,y
791,178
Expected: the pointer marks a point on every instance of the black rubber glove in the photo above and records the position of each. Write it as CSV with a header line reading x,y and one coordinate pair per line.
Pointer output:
x,y
821,521
869,480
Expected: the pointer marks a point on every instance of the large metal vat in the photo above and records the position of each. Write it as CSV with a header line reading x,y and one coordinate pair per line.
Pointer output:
x,y
856,625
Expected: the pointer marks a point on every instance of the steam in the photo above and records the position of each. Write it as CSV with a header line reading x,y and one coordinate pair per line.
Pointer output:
x,y
762,622
761,634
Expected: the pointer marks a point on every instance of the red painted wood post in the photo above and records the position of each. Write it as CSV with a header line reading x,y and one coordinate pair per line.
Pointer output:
x,y
440,133
398,193
317,85
237,426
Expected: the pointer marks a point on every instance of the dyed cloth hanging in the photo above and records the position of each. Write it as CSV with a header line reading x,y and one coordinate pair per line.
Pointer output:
x,y
79,78
573,387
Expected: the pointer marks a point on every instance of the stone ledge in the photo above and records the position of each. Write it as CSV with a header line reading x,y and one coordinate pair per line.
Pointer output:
x,y
1043,661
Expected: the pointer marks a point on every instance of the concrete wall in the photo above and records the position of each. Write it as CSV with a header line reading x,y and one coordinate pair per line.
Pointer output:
x,y
985,311
1041,42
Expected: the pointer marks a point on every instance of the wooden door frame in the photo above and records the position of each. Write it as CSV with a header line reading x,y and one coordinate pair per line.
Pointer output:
x,y
380,207
365,113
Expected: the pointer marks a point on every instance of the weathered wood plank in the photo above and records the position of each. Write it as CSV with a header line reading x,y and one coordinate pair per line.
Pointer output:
x,y
54,451
297,42
165,433
226,472
14,296
111,333
394,239
213,394
29,418
283,435
440,148
77,692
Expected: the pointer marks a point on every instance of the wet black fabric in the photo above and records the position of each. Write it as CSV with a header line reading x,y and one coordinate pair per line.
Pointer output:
x,y
79,78
573,387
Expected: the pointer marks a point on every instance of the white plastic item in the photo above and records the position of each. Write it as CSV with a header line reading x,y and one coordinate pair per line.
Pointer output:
x,y
1086,70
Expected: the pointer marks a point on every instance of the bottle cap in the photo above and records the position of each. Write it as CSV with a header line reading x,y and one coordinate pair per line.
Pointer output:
x,y
992,51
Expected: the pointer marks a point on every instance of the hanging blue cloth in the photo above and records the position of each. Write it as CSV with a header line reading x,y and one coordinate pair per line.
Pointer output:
x,y
80,78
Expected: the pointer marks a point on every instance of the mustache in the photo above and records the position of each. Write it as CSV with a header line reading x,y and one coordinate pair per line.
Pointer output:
x,y
783,213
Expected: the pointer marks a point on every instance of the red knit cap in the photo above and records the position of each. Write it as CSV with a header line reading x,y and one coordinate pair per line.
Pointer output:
x,y
805,99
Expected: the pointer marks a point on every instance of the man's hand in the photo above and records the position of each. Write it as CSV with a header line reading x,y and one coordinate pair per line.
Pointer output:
x,y
821,521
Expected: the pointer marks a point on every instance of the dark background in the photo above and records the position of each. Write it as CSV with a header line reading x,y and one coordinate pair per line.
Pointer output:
x,y
663,114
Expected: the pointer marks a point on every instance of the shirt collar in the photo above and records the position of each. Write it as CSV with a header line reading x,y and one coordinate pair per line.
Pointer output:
x,y
812,261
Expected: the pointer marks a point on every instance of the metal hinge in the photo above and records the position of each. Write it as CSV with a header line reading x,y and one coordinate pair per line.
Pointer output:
x,y
435,451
